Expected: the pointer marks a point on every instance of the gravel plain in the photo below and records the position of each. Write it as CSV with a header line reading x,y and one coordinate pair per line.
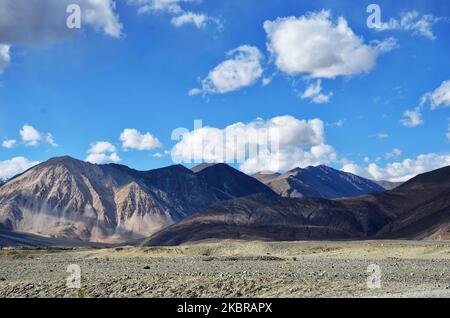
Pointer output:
x,y
232,269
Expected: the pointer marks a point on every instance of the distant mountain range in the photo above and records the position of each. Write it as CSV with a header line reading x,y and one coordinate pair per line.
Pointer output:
x,y
318,182
68,199
418,209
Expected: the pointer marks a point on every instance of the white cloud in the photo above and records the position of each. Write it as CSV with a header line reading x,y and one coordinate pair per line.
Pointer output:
x,y
315,45
4,56
279,144
400,171
242,69
133,139
32,137
9,143
396,152
199,20
101,147
412,21
102,152
14,166
168,6
439,97
180,16
412,118
101,16
314,92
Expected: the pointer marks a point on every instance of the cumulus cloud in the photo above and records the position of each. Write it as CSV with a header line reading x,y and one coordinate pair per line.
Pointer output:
x,y
438,98
277,144
4,56
400,171
180,16
396,152
412,118
412,21
197,19
100,14
132,139
12,167
102,152
314,92
32,137
317,46
242,69
9,143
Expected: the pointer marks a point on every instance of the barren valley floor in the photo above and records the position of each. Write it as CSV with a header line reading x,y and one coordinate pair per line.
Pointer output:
x,y
232,269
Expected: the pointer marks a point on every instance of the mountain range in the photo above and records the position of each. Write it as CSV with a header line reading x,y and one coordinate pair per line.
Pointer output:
x,y
418,209
68,199
318,182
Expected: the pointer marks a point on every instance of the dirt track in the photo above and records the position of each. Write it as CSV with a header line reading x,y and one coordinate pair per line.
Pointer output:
x,y
253,269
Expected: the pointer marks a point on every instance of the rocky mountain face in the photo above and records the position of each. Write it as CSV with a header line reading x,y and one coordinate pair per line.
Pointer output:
x,y
269,218
68,198
418,209
230,183
319,182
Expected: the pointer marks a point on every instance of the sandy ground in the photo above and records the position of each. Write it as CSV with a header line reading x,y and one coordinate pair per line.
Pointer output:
x,y
232,269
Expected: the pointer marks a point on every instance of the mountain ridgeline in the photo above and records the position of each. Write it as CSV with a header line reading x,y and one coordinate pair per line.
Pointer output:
x,y
68,199
318,182
72,199
418,209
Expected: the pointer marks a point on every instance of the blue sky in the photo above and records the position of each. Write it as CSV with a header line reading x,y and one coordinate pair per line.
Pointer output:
x,y
89,85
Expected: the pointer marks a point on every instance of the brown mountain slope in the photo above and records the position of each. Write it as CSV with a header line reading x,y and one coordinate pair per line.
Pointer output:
x,y
72,199
418,209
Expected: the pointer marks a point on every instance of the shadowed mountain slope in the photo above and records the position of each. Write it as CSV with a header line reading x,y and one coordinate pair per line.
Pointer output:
x,y
418,209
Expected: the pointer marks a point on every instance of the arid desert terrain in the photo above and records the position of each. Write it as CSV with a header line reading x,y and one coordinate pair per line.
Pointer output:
x,y
232,269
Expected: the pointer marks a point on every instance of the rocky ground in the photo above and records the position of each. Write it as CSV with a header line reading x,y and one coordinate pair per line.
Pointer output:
x,y
232,269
